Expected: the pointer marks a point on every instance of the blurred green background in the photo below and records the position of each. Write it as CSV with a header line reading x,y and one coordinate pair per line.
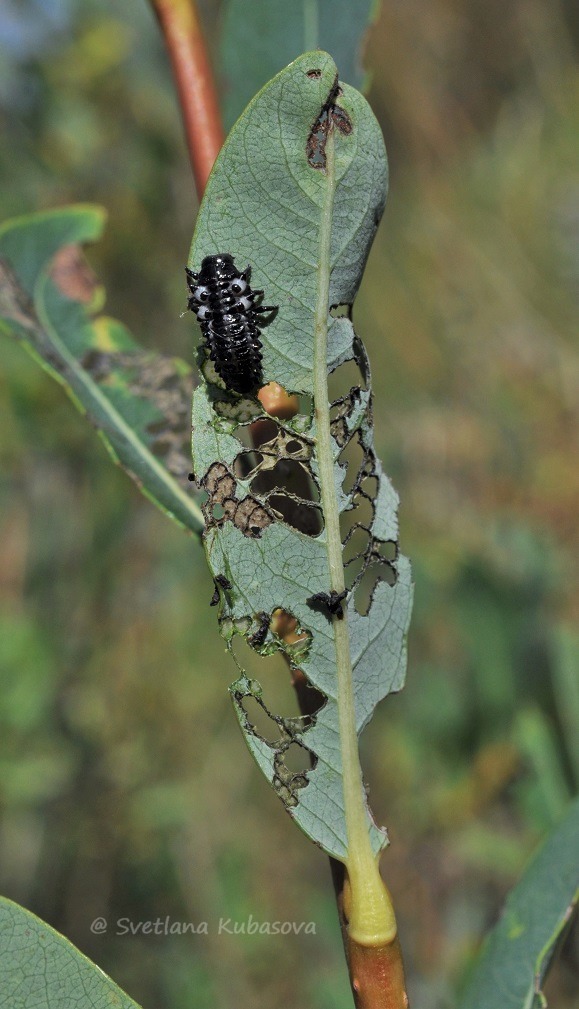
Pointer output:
x,y
126,790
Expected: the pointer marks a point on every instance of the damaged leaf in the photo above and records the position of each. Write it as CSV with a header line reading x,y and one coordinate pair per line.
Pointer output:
x,y
304,524
138,401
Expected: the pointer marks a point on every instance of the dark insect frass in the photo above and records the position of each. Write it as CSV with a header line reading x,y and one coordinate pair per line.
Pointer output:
x,y
230,316
221,582
257,639
328,603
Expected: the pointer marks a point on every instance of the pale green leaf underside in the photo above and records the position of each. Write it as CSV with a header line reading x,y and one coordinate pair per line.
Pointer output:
x,y
260,38
137,400
517,953
264,205
40,969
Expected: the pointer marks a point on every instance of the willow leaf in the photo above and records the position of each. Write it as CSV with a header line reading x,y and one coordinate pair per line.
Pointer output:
x,y
138,401
40,969
297,192
258,39
519,950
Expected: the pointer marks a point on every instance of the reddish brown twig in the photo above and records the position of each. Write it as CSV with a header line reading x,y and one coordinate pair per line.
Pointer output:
x,y
376,972
187,50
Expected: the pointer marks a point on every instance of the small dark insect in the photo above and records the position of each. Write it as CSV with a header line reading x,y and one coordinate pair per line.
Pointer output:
x,y
328,603
256,640
221,582
229,314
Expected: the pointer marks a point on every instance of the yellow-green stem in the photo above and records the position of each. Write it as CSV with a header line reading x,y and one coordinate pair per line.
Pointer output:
x,y
370,913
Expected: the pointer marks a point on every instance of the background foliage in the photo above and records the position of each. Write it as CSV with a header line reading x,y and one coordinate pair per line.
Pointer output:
x,y
135,796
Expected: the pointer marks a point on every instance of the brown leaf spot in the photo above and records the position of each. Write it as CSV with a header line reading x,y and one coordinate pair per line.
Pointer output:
x,y
72,275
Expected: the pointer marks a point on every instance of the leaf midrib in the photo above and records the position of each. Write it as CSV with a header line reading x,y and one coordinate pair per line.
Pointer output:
x,y
371,917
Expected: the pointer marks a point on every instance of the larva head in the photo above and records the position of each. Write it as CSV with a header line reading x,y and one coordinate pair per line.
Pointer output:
x,y
218,267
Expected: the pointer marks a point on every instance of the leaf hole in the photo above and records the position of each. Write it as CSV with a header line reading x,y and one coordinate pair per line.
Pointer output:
x,y
287,475
261,722
345,382
243,434
354,458
286,642
357,543
282,483
306,409
294,640
357,549
311,700
316,142
354,570
360,516
297,759
218,512
341,311
376,572
293,447
299,515
389,551
268,668
291,759
247,463
330,116
369,487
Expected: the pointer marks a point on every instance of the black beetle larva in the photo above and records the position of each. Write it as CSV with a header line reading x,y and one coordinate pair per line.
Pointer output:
x,y
229,313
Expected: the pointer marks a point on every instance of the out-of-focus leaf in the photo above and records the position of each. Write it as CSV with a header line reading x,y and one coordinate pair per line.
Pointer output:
x,y
305,223
260,38
518,952
40,969
544,792
565,662
137,400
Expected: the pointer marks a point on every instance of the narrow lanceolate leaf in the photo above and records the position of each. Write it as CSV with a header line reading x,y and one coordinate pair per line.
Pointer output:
x,y
297,192
138,401
40,969
258,39
518,952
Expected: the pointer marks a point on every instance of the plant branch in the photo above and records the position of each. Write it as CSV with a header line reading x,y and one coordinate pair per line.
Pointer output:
x,y
179,21
366,916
